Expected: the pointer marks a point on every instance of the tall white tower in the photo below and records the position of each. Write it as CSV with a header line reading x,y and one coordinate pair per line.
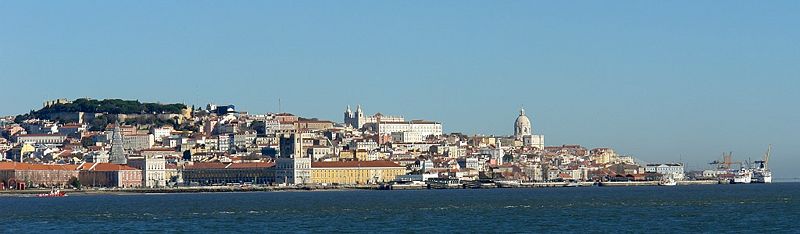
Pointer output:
x,y
360,115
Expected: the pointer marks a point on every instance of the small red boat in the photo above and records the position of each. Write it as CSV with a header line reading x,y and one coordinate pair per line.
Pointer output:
x,y
53,193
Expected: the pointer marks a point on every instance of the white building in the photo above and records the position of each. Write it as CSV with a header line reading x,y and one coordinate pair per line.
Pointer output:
x,y
161,133
41,138
673,170
137,141
318,152
153,170
367,145
523,131
96,157
293,166
420,128
224,142
407,137
358,119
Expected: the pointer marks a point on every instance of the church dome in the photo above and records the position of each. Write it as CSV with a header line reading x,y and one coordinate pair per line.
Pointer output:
x,y
522,127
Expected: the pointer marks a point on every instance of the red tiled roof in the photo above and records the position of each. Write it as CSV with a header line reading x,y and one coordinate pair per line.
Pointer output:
x,y
85,166
252,165
219,165
38,167
207,165
39,135
355,164
112,167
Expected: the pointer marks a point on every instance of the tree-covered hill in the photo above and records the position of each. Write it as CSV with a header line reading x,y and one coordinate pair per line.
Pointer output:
x,y
108,106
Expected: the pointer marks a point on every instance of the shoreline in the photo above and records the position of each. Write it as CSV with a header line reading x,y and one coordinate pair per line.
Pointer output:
x,y
234,189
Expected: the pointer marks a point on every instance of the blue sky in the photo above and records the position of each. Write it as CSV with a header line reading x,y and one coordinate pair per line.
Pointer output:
x,y
663,81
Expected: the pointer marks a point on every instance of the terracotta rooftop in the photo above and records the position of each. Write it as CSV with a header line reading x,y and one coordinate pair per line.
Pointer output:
x,y
39,167
206,165
252,165
219,165
113,167
354,164
40,135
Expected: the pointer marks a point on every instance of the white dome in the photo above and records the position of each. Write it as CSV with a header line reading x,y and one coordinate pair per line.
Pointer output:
x,y
522,127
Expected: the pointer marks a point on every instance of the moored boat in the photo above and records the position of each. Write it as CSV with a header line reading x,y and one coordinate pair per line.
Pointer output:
x,y
53,193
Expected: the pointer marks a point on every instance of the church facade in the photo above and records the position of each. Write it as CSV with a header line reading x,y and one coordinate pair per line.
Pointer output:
x,y
358,119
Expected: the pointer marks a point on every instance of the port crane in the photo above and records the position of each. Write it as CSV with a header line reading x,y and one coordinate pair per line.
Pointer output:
x,y
763,163
727,161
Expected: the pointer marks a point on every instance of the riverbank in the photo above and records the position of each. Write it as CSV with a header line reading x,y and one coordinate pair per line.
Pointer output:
x,y
221,189
196,189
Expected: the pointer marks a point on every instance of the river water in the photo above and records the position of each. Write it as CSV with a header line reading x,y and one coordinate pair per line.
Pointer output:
x,y
699,208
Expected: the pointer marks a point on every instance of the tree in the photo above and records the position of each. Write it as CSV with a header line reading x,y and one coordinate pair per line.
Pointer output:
x,y
110,106
74,182
260,127
187,155
87,141
508,158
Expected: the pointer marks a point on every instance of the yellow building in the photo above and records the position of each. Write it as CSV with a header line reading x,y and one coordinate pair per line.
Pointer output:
x,y
361,155
346,155
355,172
26,149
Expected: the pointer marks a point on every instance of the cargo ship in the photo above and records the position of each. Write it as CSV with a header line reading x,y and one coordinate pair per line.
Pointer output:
x,y
762,174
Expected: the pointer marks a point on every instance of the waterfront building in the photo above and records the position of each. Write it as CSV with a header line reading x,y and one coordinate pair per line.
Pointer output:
x,y
208,173
109,175
355,172
673,170
293,166
153,170
470,163
14,174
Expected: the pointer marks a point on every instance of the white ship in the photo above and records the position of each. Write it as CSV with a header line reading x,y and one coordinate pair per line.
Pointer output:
x,y
743,176
762,174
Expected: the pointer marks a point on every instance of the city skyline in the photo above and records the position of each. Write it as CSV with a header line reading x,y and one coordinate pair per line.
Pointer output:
x,y
662,83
